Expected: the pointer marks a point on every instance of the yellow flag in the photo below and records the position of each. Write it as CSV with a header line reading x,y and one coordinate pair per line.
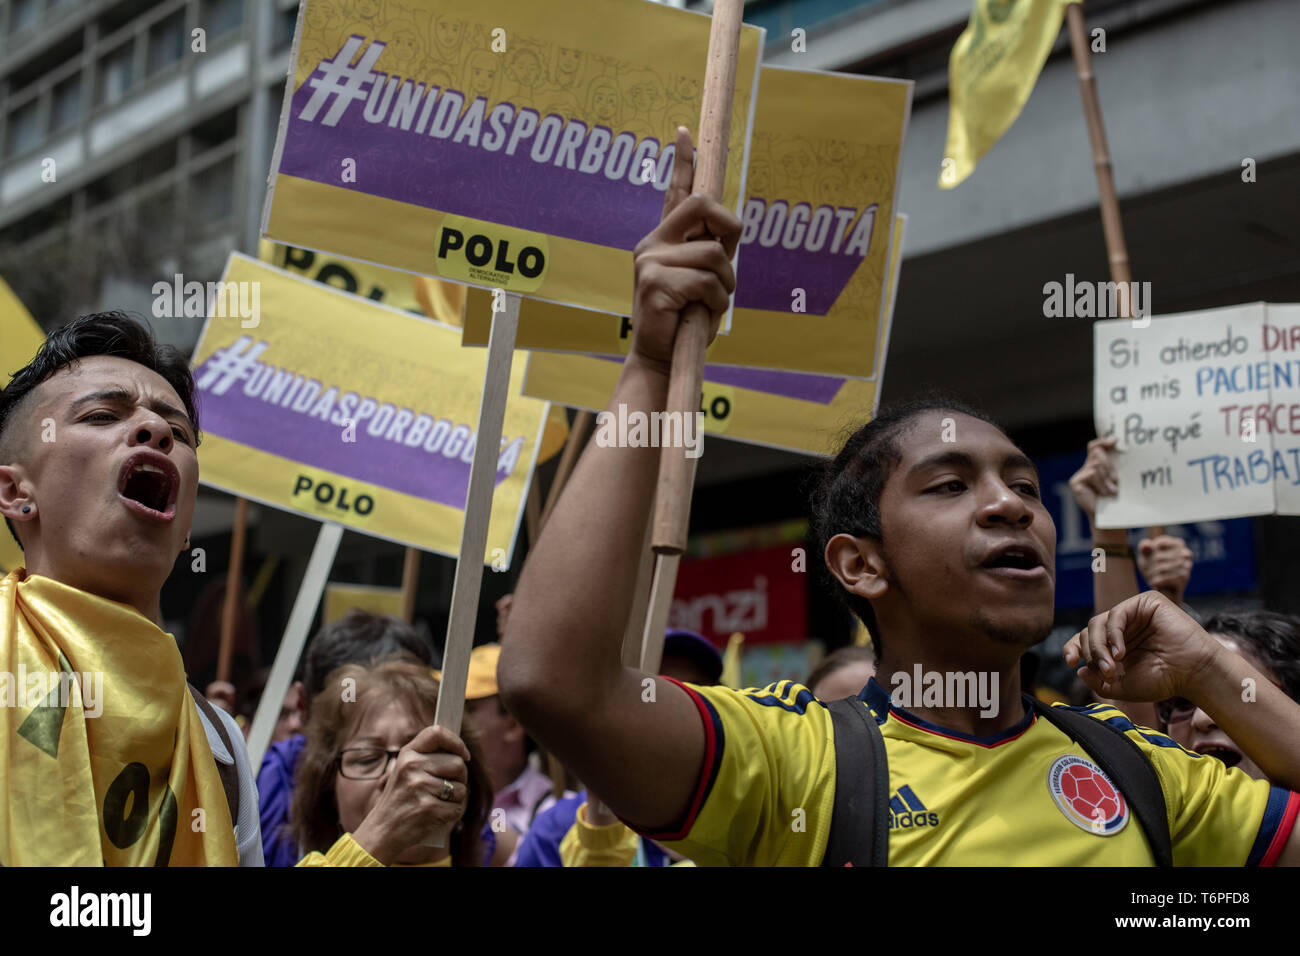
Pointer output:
x,y
20,338
105,757
991,73
731,661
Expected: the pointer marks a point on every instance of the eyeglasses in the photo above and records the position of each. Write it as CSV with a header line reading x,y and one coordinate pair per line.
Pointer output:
x,y
365,763
1175,709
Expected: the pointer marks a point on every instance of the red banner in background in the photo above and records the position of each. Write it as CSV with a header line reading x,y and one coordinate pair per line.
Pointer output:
x,y
755,592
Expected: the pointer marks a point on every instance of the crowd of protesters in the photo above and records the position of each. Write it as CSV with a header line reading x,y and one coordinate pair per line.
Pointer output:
x,y
941,547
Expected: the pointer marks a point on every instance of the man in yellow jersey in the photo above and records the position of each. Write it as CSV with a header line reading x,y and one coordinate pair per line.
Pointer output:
x,y
105,758
931,524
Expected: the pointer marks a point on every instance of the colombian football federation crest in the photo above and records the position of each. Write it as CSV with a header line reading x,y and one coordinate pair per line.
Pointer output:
x,y
1086,796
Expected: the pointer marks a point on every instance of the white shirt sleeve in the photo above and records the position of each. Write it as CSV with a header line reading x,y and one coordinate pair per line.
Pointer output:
x,y
248,828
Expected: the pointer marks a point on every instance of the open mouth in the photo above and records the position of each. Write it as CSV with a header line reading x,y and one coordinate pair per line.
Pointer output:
x,y
1228,755
148,484
1015,561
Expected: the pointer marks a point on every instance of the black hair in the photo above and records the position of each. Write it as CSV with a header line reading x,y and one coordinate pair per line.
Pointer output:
x,y
113,334
846,496
1271,637
359,637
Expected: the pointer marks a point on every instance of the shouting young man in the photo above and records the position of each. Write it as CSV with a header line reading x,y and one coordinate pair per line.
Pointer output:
x,y
930,520
106,756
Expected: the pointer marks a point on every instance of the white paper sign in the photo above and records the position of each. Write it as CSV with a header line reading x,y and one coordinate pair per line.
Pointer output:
x,y
1206,407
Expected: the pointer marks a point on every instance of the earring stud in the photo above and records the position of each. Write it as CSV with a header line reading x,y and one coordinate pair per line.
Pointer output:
x,y
27,509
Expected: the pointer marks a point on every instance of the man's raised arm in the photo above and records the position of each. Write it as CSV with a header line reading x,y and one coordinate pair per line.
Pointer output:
x,y
561,670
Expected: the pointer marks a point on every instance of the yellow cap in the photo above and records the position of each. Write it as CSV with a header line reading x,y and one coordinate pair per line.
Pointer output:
x,y
482,680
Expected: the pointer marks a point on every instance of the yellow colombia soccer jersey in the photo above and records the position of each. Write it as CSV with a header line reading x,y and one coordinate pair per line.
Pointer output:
x,y
1029,796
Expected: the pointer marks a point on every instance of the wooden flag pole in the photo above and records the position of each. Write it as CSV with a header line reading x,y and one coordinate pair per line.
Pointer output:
x,y
634,632
295,638
676,471
661,599
1110,220
1112,226
410,579
568,458
234,588
533,512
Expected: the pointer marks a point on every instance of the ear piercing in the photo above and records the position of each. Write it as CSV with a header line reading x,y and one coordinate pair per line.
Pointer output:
x,y
27,509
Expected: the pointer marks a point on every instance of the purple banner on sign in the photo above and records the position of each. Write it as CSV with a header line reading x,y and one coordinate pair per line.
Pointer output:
x,y
357,114
298,437
769,278
802,385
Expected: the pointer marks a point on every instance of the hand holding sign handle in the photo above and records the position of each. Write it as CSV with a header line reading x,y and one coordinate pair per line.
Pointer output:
x,y
676,471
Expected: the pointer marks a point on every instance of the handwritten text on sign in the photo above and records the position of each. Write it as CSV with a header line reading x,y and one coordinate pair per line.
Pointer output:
x,y
1206,407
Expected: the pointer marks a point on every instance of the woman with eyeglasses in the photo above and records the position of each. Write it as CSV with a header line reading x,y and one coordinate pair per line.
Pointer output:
x,y
377,780
1271,643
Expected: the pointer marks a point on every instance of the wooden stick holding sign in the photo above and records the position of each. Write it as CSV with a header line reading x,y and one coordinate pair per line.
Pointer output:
x,y
478,509
295,638
473,538
1111,224
676,470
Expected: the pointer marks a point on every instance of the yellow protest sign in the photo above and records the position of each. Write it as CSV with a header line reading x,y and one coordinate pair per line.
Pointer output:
x,y
791,410
20,339
342,409
341,598
501,143
823,174
440,301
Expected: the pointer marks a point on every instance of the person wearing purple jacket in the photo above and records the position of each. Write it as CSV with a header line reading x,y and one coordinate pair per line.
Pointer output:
x,y
687,657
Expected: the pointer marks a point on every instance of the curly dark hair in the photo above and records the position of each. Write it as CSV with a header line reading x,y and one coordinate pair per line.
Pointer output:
x,y
114,334
846,496
315,814
1271,637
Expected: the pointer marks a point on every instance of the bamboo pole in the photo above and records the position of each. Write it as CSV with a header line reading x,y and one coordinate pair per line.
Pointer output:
x,y
1111,224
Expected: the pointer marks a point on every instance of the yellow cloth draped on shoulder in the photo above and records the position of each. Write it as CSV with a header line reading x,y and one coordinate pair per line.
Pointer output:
x,y
103,755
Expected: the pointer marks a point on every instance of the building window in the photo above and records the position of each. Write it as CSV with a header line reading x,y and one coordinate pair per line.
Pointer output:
x,y
116,74
24,129
221,16
24,15
214,191
66,107
285,24
166,42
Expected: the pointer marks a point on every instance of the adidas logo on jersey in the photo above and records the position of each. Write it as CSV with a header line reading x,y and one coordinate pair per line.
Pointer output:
x,y
907,812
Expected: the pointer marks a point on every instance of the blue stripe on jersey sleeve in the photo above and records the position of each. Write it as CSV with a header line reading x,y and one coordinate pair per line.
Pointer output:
x,y
775,696
1273,811
1116,718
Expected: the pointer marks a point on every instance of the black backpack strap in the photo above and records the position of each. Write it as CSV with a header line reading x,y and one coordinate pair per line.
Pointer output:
x,y
229,771
1127,767
859,834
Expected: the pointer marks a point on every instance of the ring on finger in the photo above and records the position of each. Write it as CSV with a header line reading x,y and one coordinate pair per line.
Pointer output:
x,y
447,791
